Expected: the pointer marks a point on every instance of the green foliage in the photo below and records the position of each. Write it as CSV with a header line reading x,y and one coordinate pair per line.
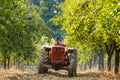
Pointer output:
x,y
49,10
90,24
21,28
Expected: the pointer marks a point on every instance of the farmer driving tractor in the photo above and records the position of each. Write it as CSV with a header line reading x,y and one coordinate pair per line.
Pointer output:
x,y
58,42
58,57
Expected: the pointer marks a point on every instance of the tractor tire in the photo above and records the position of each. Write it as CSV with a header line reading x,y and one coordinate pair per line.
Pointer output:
x,y
43,60
73,64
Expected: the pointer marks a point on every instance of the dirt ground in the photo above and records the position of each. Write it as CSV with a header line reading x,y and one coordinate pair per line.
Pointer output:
x,y
55,75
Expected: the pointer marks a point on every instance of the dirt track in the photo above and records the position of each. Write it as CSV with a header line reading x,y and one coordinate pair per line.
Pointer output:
x,y
29,75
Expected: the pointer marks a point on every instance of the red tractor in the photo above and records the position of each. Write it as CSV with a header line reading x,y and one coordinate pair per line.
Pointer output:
x,y
58,57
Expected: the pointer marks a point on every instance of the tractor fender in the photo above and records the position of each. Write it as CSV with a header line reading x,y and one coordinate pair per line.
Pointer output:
x,y
72,50
46,47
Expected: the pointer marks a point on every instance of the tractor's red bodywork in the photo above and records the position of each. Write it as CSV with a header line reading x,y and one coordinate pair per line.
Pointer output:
x,y
58,57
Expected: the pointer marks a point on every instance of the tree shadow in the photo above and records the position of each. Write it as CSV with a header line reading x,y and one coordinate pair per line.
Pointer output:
x,y
13,78
96,75
89,74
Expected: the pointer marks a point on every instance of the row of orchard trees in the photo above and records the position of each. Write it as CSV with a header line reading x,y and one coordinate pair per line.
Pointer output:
x,y
92,25
21,29
50,9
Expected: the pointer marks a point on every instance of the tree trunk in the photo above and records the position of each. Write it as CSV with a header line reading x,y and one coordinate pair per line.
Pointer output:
x,y
90,64
4,62
8,63
15,63
109,62
21,65
84,66
95,59
117,51
116,62
110,51
101,60
18,64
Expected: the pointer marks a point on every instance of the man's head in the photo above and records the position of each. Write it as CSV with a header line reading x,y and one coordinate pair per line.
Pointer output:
x,y
57,38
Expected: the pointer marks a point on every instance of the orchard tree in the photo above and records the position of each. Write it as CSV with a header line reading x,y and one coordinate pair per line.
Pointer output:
x,y
93,24
49,10
21,28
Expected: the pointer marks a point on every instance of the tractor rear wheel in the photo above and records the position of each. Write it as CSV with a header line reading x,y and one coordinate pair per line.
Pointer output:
x,y
73,64
43,60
